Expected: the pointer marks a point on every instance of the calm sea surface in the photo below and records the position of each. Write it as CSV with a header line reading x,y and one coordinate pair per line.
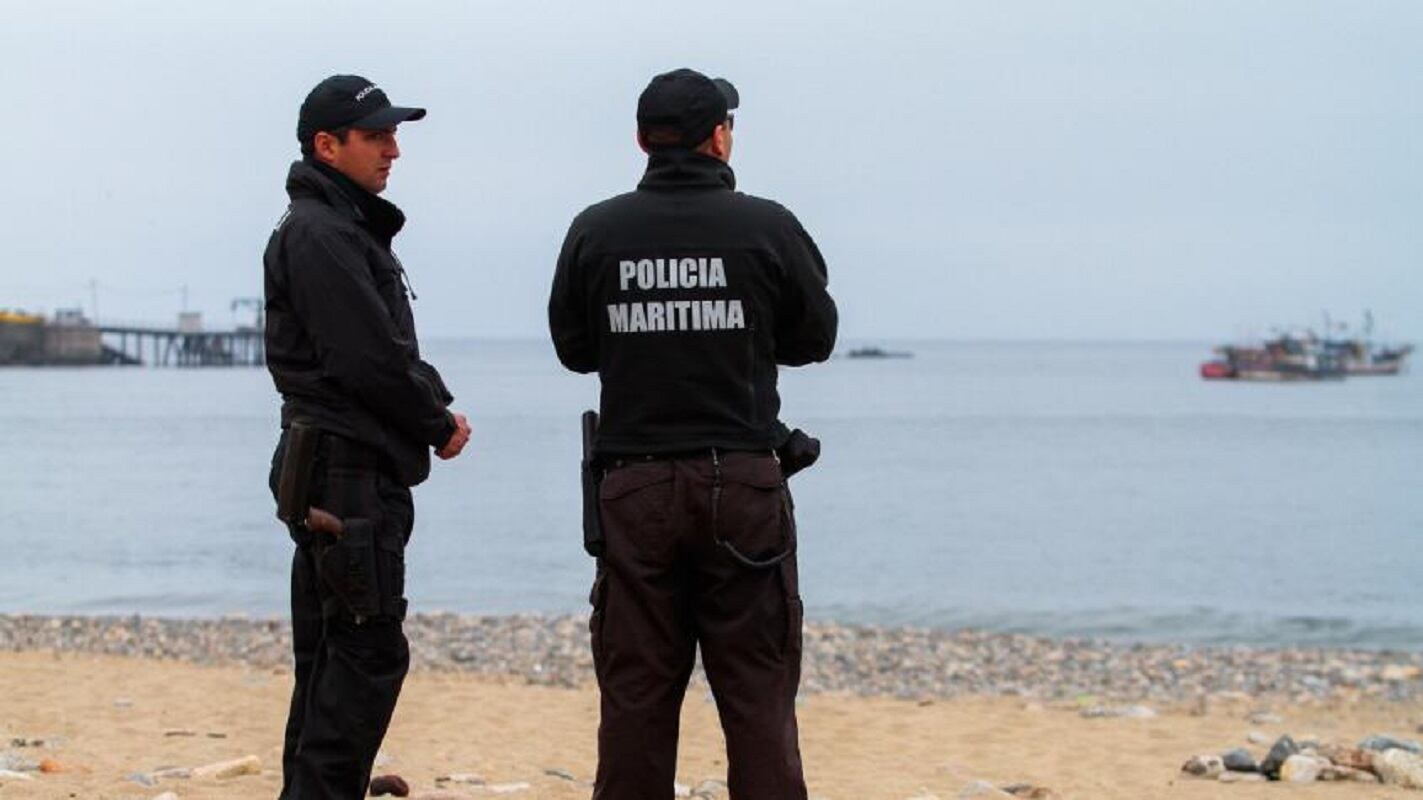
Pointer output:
x,y
1079,489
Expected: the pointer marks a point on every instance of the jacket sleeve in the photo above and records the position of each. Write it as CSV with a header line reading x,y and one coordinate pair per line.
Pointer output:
x,y
334,295
575,338
806,321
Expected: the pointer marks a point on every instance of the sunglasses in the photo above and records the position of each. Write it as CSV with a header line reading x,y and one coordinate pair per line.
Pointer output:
x,y
730,122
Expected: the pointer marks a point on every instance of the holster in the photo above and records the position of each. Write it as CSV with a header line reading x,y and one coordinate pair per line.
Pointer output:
x,y
294,481
592,476
348,568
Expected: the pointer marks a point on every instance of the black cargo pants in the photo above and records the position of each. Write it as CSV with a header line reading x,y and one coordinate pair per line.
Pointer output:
x,y
348,606
665,585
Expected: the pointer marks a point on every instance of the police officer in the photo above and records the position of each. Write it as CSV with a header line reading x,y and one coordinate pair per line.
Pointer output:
x,y
342,351
684,296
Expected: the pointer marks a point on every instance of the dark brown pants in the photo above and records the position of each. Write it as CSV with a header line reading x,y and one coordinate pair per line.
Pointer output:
x,y
664,586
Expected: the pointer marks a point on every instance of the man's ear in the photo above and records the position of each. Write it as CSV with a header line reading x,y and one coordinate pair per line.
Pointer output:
x,y
323,146
722,136
640,143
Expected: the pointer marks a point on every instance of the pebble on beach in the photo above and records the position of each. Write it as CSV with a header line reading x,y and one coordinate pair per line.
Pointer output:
x,y
1380,742
1239,760
1301,768
1203,766
1283,748
1400,768
910,663
393,785
247,765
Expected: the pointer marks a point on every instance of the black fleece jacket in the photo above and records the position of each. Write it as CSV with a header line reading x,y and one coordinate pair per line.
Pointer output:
x,y
341,343
684,295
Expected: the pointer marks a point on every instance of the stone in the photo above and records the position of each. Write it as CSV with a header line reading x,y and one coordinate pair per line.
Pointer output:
x,y
393,785
1203,766
1124,712
1300,768
166,773
1397,673
167,796
247,765
1283,748
1345,756
1334,772
461,777
507,788
681,790
1240,777
49,766
1031,792
1257,737
180,732
1239,760
1264,717
141,779
711,788
981,789
555,772
14,762
1400,768
1381,742
11,775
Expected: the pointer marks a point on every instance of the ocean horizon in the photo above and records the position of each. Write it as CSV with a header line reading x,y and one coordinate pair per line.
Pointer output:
x,y
1085,489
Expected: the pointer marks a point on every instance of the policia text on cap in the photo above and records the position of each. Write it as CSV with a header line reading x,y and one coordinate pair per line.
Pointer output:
x,y
684,296
360,414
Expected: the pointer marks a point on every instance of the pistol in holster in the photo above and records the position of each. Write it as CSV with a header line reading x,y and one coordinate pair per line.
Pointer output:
x,y
294,481
294,486
592,476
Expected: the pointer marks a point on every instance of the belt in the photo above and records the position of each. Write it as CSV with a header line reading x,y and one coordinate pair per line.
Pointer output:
x,y
613,461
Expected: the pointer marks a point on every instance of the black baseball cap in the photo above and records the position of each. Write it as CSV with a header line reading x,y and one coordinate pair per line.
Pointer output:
x,y
343,101
687,101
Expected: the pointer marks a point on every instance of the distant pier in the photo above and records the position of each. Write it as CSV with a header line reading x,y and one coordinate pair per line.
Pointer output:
x,y
71,339
160,347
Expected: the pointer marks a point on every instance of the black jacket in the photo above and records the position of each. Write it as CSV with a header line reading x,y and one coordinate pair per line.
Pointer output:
x,y
684,296
341,341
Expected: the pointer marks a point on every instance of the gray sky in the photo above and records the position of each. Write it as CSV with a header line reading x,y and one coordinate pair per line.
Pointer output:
x,y
989,170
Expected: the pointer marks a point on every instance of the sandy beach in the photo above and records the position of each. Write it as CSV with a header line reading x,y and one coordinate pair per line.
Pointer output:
x,y
104,723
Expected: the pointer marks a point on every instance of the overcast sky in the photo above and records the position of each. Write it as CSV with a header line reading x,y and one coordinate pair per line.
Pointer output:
x,y
1104,170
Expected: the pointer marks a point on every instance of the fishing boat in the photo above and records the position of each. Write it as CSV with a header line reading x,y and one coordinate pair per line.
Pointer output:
x,y
1289,357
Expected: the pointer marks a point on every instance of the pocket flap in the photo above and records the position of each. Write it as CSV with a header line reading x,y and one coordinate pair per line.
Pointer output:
x,y
629,479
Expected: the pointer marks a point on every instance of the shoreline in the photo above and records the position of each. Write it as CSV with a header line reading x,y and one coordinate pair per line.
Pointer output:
x,y
868,661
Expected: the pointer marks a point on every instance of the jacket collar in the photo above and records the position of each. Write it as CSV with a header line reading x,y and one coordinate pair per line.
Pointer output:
x,y
686,169
311,179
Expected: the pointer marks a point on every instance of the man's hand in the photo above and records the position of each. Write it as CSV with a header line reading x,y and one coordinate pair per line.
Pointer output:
x,y
458,439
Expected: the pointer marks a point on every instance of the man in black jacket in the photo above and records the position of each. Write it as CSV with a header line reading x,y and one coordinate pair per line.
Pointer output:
x,y
684,296
342,351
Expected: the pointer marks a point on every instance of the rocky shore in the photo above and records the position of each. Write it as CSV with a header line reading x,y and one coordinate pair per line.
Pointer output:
x,y
906,663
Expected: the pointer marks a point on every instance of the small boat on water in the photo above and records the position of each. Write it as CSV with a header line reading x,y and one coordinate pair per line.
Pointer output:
x,y
878,352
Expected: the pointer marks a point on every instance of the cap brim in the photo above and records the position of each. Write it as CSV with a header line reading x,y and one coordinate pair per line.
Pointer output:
x,y
386,117
733,97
